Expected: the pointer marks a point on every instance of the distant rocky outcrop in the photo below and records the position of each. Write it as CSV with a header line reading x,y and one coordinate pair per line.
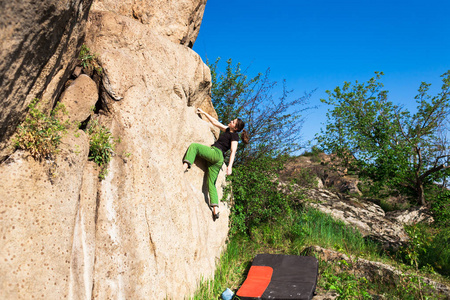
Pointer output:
x,y
145,231
341,200
325,171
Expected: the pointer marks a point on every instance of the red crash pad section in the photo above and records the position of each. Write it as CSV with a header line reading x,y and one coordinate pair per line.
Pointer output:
x,y
258,279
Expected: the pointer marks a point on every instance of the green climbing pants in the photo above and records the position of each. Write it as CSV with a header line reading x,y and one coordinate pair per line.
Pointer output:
x,y
214,157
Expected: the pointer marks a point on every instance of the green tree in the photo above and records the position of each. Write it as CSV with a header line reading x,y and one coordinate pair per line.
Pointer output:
x,y
390,145
273,123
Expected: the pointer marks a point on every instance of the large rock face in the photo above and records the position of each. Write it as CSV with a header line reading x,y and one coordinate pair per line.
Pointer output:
x,y
38,44
145,231
178,20
157,236
39,202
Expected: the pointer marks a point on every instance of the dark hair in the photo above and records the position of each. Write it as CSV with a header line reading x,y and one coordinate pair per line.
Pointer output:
x,y
240,126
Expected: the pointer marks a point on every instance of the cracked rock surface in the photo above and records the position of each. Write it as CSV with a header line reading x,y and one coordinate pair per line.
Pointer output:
x,y
366,216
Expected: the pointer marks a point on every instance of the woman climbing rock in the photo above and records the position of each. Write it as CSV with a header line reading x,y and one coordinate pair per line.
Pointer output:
x,y
215,154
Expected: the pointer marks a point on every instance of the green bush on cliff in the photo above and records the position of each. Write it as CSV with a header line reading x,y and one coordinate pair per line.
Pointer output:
x,y
39,133
101,145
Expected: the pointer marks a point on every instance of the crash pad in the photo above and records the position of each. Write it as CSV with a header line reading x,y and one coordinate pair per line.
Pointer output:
x,y
292,277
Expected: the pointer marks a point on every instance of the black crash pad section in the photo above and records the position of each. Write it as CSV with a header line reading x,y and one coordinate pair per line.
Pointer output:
x,y
294,277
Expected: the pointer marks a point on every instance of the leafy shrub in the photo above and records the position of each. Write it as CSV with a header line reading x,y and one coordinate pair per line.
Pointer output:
x,y
437,253
419,241
440,207
101,145
40,134
393,203
257,195
428,248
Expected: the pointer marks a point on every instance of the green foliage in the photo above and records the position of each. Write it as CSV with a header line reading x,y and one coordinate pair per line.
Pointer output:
x,y
88,60
394,148
101,145
39,133
440,206
256,194
231,269
318,228
437,254
392,206
347,285
273,123
85,56
428,248
340,277
418,243
411,287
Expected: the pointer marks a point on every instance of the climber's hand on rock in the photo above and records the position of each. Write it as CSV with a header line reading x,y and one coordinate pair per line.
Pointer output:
x,y
229,170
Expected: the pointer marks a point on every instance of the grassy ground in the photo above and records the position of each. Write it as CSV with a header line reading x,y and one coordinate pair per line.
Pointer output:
x,y
294,233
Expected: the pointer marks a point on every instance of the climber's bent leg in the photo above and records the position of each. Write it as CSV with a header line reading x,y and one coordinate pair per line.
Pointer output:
x,y
214,157
210,154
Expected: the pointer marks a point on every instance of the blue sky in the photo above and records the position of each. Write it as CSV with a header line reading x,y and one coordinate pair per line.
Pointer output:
x,y
322,43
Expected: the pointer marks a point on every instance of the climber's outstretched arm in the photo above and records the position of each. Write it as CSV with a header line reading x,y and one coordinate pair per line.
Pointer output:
x,y
212,120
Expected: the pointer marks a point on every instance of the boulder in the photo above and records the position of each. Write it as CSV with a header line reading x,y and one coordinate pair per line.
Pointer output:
x,y
411,216
40,43
366,216
79,101
177,20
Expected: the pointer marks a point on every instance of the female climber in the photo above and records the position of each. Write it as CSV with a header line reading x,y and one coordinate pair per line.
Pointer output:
x,y
215,154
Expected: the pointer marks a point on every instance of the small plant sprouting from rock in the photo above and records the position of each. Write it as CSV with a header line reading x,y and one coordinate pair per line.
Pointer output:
x,y
101,146
89,60
39,133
